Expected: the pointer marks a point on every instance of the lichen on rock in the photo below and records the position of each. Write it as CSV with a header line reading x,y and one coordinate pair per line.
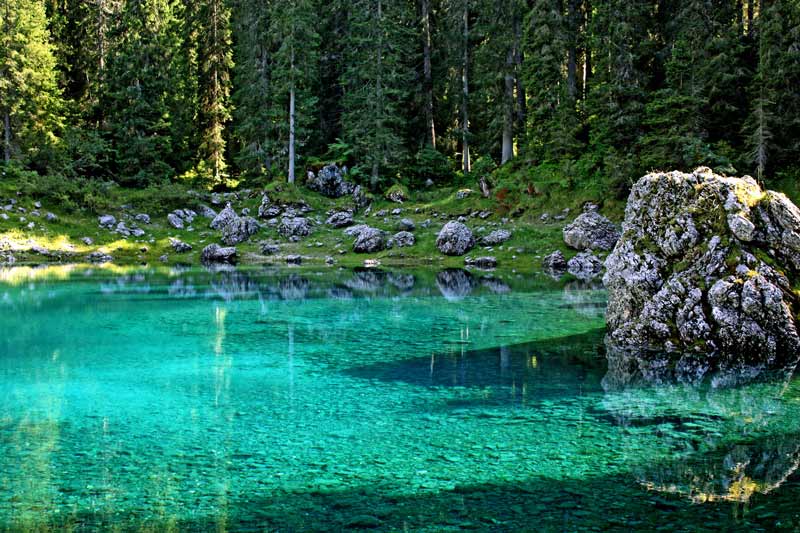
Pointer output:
x,y
703,272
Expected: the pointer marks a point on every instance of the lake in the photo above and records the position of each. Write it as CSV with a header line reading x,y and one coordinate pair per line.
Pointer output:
x,y
301,400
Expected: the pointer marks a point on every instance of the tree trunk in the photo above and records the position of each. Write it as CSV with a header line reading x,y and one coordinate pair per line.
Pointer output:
x,y
465,162
6,136
750,16
522,103
379,155
427,71
587,51
572,59
508,111
291,134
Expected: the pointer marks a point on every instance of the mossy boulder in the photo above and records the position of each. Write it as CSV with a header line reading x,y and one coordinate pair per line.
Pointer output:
x,y
702,278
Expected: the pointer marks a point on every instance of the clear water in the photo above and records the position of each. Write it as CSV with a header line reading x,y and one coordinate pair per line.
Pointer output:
x,y
301,401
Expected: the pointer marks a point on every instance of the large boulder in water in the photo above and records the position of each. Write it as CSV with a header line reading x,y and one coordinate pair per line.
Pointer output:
x,y
703,273
455,239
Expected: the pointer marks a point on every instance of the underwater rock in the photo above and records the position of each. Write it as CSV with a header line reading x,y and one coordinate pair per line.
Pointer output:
x,y
691,276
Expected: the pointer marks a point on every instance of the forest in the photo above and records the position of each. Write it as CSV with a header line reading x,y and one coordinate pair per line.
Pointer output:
x,y
226,92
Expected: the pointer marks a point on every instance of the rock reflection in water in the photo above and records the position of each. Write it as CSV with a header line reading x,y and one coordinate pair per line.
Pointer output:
x,y
455,284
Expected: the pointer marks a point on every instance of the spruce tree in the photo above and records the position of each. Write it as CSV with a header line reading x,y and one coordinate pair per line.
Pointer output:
x,y
30,100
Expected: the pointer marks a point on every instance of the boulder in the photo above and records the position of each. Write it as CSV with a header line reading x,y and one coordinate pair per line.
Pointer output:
x,y
50,217
268,248
360,198
223,218
496,237
704,272
340,219
239,230
175,221
483,263
142,218
455,239
294,227
207,212
179,246
369,240
591,231
214,253
106,221
403,239
99,258
555,264
330,182
353,231
585,266
406,224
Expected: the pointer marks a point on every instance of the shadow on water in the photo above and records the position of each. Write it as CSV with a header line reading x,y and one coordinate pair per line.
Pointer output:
x,y
539,370
652,501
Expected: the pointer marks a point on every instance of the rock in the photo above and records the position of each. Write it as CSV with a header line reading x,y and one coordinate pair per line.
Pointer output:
x,y
294,227
268,248
99,258
355,230
591,231
545,217
206,212
137,232
455,239
179,246
50,217
330,182
239,230
360,198
341,219
485,263
463,193
294,259
330,260
555,264
397,195
496,237
37,205
164,258
223,218
31,225
4,216
214,253
369,240
700,273
404,239
142,218
107,221
406,224
175,221
585,266
87,241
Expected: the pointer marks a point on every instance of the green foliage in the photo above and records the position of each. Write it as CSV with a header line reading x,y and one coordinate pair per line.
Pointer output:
x,y
429,164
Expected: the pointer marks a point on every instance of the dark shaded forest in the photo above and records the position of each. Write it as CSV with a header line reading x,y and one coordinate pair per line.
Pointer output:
x,y
225,92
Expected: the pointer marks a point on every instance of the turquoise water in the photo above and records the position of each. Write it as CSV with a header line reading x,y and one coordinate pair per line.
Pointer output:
x,y
252,400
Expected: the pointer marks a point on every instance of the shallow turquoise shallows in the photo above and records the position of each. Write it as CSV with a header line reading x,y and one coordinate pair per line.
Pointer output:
x,y
250,400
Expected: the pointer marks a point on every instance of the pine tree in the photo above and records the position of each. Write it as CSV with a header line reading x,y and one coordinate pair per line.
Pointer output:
x,y
375,80
212,36
30,100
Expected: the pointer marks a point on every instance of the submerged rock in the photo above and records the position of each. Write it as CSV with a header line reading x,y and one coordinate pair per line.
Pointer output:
x,y
701,273
455,239
591,231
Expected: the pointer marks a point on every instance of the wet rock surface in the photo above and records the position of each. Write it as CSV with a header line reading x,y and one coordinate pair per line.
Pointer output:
x,y
704,272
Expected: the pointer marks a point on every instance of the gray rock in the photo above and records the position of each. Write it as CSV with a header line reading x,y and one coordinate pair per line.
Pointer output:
x,y
87,241
403,239
137,232
369,240
496,237
239,230
330,182
214,253
50,217
107,221
207,212
555,264
164,258
397,196
406,224
294,227
585,266
484,263
591,231
142,218
175,221
341,219
268,248
455,239
179,246
99,258
463,193
294,259
360,197
223,218
689,277
4,216
37,205
353,231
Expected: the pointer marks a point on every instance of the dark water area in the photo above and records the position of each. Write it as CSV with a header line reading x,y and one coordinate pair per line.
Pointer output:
x,y
296,400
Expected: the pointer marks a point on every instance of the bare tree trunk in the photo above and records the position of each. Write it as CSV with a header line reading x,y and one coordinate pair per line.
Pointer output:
x,y
6,136
508,110
522,103
572,59
427,70
587,52
466,165
291,134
